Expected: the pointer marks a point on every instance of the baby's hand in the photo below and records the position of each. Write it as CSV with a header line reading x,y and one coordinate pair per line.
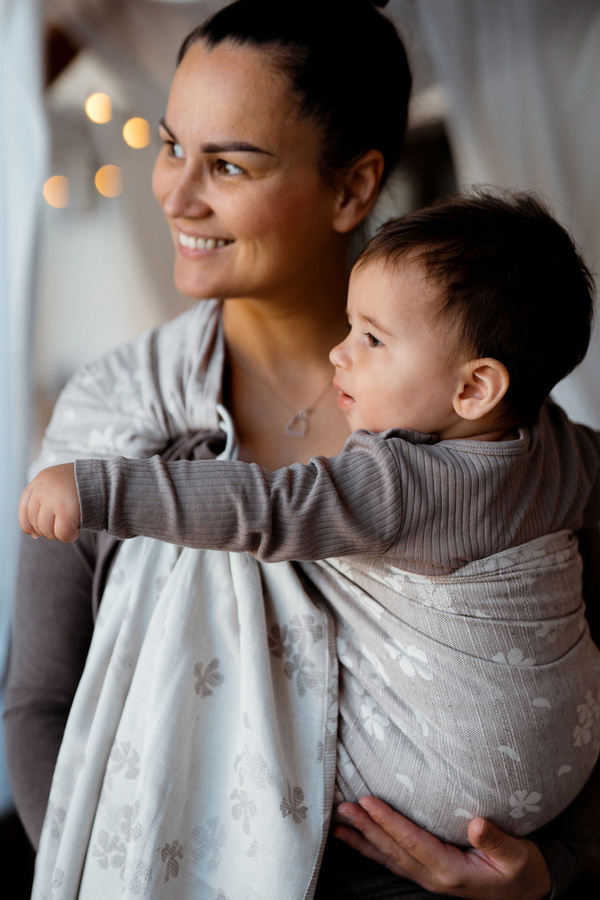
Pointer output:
x,y
49,505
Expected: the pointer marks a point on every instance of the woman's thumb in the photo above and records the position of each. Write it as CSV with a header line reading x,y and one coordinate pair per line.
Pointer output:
x,y
486,837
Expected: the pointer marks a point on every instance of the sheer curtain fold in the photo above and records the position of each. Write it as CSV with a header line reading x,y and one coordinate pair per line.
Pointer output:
x,y
22,165
523,88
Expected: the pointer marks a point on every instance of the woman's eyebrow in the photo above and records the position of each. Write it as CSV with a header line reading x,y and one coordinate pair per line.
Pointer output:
x,y
225,147
233,146
163,124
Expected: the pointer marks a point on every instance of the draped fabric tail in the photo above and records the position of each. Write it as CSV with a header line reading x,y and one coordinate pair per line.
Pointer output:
x,y
200,753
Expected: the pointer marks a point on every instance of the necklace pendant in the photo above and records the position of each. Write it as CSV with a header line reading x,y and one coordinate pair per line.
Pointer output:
x,y
298,424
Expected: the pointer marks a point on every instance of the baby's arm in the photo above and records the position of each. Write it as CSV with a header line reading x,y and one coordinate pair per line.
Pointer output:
x,y
347,504
49,505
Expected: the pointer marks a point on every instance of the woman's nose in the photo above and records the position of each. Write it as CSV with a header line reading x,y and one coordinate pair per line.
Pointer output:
x,y
186,198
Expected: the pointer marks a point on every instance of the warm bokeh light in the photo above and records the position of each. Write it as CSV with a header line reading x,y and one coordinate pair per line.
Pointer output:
x,y
136,133
108,181
56,191
99,108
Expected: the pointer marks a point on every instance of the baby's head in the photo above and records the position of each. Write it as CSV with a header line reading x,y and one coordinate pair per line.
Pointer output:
x,y
463,316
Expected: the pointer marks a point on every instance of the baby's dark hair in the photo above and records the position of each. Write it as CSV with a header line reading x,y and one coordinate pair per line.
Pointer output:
x,y
514,285
345,62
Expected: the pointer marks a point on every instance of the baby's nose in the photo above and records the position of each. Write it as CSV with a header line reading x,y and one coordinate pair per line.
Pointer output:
x,y
336,355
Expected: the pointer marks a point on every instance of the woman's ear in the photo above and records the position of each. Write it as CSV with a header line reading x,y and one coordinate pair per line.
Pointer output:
x,y
484,384
358,191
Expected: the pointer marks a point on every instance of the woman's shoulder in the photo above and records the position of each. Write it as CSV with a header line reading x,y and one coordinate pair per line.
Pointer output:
x,y
138,397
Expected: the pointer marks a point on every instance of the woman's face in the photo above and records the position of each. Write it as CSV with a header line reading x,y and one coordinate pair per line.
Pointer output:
x,y
238,178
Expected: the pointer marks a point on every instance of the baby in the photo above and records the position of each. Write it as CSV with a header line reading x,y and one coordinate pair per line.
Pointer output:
x,y
447,526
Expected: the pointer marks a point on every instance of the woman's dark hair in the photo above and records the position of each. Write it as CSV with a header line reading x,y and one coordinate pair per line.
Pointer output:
x,y
513,284
346,64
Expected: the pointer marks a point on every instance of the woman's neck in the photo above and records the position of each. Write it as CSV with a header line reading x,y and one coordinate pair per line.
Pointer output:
x,y
282,343
278,367
286,337
303,322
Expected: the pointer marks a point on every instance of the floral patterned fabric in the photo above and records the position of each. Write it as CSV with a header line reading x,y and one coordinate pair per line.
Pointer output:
x,y
476,693
199,756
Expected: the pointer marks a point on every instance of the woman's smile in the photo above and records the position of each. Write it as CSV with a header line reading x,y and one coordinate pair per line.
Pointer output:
x,y
195,246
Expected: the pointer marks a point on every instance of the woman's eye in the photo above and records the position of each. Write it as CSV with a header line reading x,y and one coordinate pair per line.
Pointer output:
x,y
174,149
227,168
373,341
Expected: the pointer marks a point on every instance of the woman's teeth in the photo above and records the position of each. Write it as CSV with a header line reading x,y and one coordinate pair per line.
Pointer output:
x,y
193,243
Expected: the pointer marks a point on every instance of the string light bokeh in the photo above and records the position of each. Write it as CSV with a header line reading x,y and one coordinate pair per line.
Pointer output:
x,y
136,133
56,191
98,108
108,179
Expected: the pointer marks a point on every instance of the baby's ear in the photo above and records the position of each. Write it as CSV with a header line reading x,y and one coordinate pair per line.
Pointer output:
x,y
484,384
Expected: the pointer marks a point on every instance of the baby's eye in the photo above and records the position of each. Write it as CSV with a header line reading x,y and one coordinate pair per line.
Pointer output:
x,y
373,341
227,168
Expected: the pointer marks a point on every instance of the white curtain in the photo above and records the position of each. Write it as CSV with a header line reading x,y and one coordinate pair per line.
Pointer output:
x,y
522,80
22,162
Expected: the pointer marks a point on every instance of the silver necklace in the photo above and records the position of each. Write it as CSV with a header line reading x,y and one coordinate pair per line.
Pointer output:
x,y
297,425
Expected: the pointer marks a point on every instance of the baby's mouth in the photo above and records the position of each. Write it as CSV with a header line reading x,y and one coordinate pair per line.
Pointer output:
x,y
344,400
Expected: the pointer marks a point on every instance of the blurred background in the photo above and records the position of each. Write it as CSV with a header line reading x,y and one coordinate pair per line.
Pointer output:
x,y
507,93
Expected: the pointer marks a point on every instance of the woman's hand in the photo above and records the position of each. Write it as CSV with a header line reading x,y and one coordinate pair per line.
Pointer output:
x,y
499,867
49,505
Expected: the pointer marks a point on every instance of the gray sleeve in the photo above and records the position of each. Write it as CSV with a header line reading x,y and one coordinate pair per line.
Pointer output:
x,y
348,504
429,505
52,630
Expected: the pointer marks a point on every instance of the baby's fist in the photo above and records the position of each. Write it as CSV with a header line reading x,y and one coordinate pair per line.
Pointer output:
x,y
49,505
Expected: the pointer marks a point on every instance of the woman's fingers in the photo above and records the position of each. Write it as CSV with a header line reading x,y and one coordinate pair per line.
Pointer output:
x,y
364,835
387,837
499,867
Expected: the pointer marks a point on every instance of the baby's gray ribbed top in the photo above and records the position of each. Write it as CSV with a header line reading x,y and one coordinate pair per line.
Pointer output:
x,y
429,506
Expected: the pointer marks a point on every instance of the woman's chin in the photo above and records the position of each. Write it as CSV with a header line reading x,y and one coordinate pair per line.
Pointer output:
x,y
196,288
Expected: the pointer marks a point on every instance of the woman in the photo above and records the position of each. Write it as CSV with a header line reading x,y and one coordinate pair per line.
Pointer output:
x,y
276,138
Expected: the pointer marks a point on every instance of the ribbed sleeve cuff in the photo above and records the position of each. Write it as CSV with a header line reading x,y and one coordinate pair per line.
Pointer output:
x,y
92,488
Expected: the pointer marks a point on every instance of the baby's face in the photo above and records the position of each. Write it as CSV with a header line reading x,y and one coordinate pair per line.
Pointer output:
x,y
396,368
